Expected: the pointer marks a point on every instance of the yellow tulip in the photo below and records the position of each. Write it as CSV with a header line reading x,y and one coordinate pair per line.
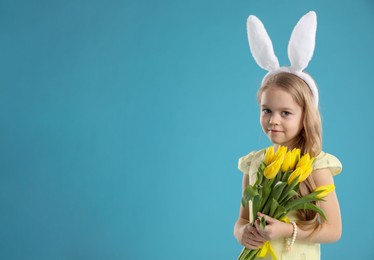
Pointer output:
x,y
290,160
304,161
272,169
311,161
307,170
326,189
286,162
269,156
305,174
296,155
295,174
281,152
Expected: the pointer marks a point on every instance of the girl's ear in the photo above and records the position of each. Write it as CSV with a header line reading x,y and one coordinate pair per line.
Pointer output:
x,y
302,42
261,45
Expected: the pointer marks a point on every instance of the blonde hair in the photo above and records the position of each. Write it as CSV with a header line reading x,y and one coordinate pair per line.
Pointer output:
x,y
310,137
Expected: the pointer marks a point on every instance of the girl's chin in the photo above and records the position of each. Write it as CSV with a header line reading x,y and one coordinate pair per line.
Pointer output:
x,y
276,141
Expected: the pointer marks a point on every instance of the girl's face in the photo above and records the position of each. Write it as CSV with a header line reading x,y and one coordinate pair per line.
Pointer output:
x,y
281,117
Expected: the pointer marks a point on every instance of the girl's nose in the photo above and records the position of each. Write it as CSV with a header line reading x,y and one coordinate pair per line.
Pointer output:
x,y
274,120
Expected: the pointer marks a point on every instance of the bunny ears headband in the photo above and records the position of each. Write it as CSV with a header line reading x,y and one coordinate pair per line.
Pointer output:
x,y
300,48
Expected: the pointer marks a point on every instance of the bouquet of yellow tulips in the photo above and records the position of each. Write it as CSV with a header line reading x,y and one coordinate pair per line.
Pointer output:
x,y
275,192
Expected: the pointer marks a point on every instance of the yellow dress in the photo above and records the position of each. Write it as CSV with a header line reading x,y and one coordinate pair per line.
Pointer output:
x,y
300,250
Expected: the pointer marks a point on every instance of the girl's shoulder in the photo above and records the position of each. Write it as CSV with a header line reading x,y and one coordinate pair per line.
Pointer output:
x,y
251,161
326,160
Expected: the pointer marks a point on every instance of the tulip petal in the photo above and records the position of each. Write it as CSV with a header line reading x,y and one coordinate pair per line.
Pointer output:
x,y
269,156
272,169
295,174
324,190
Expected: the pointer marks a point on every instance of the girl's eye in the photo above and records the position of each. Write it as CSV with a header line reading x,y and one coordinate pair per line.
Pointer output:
x,y
266,111
286,113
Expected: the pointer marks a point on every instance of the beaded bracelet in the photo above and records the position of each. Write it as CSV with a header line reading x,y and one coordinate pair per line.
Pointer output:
x,y
293,238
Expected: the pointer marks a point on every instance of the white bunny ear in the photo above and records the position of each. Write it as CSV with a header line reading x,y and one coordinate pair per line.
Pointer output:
x,y
261,45
302,42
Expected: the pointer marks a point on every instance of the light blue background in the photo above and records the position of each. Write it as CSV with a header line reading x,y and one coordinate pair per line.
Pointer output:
x,y
122,123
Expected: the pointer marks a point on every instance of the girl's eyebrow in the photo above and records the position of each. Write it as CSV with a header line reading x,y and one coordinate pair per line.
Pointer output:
x,y
287,109
283,108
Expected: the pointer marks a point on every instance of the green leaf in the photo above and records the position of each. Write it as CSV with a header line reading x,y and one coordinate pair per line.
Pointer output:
x,y
265,194
244,202
286,175
276,179
262,166
286,196
260,176
256,206
280,212
277,190
274,194
273,207
249,193
311,206
300,201
290,187
262,223
260,173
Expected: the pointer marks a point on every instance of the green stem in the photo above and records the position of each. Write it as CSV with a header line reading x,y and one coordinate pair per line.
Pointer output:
x,y
248,254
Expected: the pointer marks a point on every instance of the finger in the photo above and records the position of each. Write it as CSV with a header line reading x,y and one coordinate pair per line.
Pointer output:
x,y
255,235
267,218
262,231
253,244
253,230
258,236
258,227
248,228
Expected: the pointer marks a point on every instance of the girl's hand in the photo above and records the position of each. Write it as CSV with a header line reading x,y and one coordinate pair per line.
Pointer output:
x,y
251,238
274,228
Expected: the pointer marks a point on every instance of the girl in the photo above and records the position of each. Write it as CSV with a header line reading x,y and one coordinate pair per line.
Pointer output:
x,y
288,101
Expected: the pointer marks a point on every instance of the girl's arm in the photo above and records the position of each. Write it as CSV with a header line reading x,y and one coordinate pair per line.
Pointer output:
x,y
246,234
328,231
